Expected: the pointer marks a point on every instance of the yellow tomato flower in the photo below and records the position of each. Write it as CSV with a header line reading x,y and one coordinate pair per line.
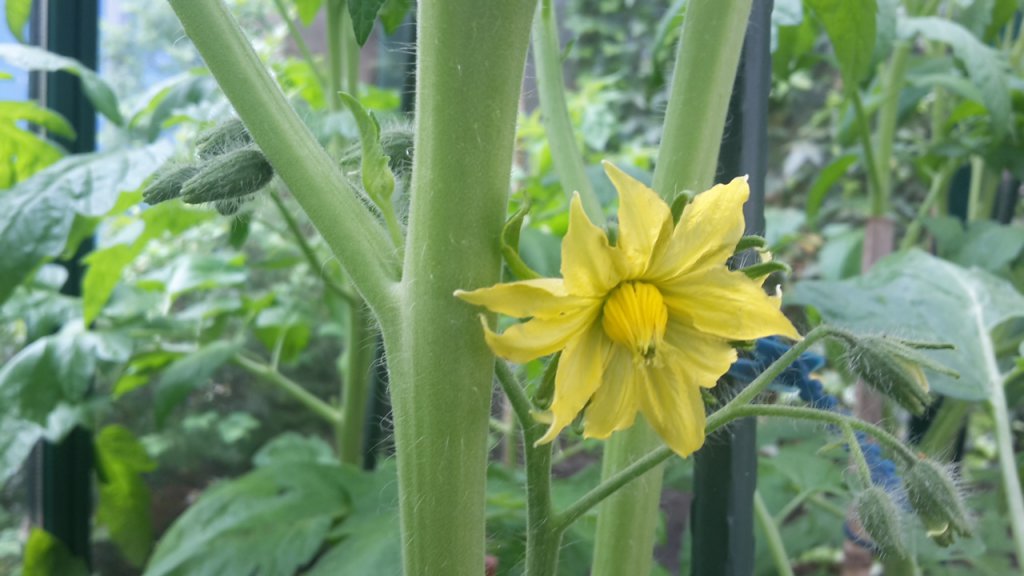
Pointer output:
x,y
642,325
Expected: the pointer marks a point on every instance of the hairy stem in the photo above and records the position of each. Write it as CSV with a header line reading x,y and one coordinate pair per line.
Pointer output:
x,y
470,64
886,128
355,388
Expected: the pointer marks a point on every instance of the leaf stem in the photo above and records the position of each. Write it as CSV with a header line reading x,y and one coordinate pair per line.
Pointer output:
x,y
859,461
311,174
878,206
772,537
289,387
565,152
886,127
355,388
300,43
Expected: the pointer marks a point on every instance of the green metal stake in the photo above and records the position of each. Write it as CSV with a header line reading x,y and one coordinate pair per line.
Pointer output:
x,y
725,474
61,490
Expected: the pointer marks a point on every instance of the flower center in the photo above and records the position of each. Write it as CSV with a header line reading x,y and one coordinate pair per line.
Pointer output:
x,y
635,316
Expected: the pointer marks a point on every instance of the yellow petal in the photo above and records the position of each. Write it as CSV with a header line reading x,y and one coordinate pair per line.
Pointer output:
x,y
614,405
707,232
541,336
644,218
590,266
701,357
673,407
540,298
578,377
726,304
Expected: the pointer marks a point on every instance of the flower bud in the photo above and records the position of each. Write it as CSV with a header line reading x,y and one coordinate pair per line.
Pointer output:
x,y
225,137
229,176
167,185
934,497
231,206
880,519
892,369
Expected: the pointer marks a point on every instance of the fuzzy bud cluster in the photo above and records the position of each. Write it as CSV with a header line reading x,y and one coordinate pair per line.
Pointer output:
x,y
895,368
880,518
933,494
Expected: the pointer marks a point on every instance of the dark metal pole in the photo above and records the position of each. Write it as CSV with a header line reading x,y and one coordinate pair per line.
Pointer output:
x,y
63,471
725,474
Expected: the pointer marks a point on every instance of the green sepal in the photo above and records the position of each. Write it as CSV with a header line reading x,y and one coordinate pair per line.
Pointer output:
x,y
763,269
880,518
236,174
679,204
934,497
749,242
225,137
167,185
546,391
510,243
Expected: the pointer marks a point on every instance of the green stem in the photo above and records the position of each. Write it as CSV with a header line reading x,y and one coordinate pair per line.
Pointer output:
x,y
609,486
859,461
878,205
823,503
315,265
702,82
792,505
1007,461
886,128
974,192
470,61
565,153
300,42
939,184
289,387
772,537
313,177
944,428
355,390
543,536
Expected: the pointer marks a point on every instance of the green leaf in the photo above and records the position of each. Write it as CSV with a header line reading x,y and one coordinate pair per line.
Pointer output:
x,y
36,215
378,181
188,373
985,66
364,13
393,13
48,556
17,438
291,447
279,326
106,264
123,494
271,521
308,10
36,59
851,28
33,113
370,541
18,14
916,295
828,177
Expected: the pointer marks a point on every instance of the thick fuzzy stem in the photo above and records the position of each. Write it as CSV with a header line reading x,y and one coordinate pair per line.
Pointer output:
x,y
470,65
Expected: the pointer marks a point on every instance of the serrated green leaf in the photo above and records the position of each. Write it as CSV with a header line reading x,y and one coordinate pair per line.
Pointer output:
x,y
851,28
18,14
985,66
189,373
308,10
53,371
34,59
36,215
270,521
364,14
918,296
48,556
393,13
123,494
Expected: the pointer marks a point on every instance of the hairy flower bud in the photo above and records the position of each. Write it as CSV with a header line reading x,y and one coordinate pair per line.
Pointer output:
x,y
880,519
167,185
233,175
225,137
231,206
933,495
893,369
